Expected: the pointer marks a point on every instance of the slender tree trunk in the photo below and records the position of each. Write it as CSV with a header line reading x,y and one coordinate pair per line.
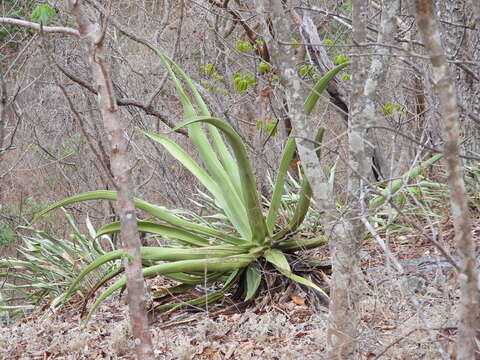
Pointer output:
x,y
3,110
469,301
461,42
93,35
3,120
344,235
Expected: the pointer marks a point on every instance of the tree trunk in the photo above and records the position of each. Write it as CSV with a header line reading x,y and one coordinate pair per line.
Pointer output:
x,y
93,35
344,235
461,40
468,312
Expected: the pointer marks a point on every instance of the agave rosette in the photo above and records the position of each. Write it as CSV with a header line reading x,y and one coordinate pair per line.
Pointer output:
x,y
205,253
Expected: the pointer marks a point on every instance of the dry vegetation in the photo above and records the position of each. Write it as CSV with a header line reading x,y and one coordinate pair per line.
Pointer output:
x,y
285,325
407,316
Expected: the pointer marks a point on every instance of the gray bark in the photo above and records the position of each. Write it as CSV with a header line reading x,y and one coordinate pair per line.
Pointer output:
x,y
367,115
344,234
468,312
461,39
3,110
92,36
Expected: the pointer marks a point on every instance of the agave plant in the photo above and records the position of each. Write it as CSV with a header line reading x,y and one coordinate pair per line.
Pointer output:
x,y
48,268
211,253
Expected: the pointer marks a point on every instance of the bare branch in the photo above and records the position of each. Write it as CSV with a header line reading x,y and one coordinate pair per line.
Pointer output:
x,y
145,106
35,26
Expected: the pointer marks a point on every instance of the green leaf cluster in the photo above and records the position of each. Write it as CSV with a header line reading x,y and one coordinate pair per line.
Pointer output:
x,y
43,14
243,46
339,59
264,67
215,80
307,70
269,127
390,108
242,82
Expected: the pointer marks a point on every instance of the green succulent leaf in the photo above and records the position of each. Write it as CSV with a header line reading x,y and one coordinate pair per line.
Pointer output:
x,y
279,186
228,200
249,188
253,279
277,259
160,213
224,173
396,185
303,281
185,237
294,244
320,86
207,298
228,264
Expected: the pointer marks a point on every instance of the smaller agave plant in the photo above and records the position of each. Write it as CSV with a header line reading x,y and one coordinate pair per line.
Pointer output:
x,y
207,253
48,266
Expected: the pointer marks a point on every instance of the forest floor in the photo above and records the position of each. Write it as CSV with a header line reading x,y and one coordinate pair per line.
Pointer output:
x,y
281,326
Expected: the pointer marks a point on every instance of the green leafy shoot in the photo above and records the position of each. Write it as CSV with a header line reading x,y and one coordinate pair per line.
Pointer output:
x,y
243,46
43,14
264,67
339,59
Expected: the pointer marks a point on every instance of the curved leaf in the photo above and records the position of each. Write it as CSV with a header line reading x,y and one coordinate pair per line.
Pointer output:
x,y
158,229
229,165
253,279
177,289
227,178
303,203
321,85
397,184
279,187
213,265
227,199
303,281
161,254
205,299
278,259
295,244
194,279
154,210
254,210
